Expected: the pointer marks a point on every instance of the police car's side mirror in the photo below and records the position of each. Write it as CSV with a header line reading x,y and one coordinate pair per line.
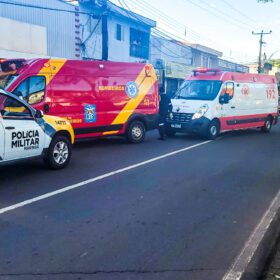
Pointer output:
x,y
39,114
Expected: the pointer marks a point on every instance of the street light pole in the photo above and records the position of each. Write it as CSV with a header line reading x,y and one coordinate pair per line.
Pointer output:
x,y
261,44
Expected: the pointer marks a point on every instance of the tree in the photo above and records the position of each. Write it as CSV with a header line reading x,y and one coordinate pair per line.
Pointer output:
x,y
275,62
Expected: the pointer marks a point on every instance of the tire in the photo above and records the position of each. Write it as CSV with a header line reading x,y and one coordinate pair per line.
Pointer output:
x,y
213,130
59,153
136,132
267,125
170,132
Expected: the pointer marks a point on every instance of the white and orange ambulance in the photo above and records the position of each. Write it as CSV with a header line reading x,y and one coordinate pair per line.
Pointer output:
x,y
211,101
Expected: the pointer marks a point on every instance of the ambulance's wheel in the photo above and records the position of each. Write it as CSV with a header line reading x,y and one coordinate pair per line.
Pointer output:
x,y
136,132
267,125
59,153
213,130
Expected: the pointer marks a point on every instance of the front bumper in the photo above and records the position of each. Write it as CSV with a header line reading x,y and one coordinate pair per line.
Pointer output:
x,y
198,126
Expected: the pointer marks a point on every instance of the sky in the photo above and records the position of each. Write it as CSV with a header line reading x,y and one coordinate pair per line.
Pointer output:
x,y
225,25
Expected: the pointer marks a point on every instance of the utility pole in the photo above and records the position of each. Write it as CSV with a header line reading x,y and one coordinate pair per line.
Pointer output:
x,y
104,23
261,44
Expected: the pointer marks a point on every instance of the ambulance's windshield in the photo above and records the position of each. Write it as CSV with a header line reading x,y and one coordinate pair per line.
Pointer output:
x,y
198,90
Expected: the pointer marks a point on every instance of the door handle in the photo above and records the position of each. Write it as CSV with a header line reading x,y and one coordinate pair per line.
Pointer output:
x,y
232,107
9,127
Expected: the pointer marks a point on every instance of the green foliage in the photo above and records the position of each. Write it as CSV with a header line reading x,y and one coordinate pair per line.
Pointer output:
x,y
275,62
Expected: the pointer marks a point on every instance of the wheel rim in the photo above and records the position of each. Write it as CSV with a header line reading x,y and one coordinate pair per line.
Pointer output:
x,y
213,130
137,132
60,152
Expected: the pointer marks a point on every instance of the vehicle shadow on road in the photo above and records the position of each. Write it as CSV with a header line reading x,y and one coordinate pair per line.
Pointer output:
x,y
246,132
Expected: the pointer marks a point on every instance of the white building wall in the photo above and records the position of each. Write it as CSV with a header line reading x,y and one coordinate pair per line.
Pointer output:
x,y
166,50
120,50
61,27
91,37
22,39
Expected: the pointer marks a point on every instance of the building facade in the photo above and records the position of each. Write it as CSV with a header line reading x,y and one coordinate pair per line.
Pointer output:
x,y
180,58
113,33
204,56
39,28
232,67
175,58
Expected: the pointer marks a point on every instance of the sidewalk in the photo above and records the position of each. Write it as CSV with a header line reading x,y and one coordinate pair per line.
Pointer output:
x,y
273,272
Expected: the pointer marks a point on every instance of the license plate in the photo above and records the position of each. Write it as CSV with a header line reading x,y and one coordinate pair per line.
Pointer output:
x,y
175,125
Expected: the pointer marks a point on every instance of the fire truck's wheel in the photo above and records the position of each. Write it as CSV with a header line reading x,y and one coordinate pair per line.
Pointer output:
x,y
267,125
59,153
213,130
136,132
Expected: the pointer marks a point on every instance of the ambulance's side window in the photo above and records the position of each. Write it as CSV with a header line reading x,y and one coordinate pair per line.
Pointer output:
x,y
228,89
32,89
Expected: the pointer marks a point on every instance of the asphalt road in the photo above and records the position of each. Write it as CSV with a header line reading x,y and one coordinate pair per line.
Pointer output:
x,y
185,216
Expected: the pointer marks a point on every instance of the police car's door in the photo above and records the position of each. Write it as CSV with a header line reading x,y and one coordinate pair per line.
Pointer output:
x,y
2,139
23,136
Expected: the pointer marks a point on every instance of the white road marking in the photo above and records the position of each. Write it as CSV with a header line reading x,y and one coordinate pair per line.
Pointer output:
x,y
239,266
98,178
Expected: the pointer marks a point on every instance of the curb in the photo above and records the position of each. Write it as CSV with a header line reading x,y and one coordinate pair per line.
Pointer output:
x,y
263,255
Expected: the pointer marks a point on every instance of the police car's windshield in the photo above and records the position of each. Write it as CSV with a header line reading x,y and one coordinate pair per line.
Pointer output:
x,y
6,80
198,90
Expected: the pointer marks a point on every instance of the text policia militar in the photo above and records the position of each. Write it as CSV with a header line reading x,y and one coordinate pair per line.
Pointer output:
x,y
28,140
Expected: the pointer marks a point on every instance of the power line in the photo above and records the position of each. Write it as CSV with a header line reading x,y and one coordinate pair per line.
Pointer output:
x,y
238,11
161,33
133,17
173,23
226,15
148,8
219,14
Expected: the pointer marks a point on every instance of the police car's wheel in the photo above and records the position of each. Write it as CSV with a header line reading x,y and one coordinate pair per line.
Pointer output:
x,y
136,132
267,125
213,130
59,153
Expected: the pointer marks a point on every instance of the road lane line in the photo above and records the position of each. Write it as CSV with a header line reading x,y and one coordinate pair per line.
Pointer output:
x,y
240,264
98,178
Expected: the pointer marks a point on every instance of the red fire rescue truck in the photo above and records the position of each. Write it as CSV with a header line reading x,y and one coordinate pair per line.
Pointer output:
x,y
99,98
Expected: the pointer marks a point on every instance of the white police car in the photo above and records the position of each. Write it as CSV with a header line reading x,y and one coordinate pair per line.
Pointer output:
x,y
26,133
